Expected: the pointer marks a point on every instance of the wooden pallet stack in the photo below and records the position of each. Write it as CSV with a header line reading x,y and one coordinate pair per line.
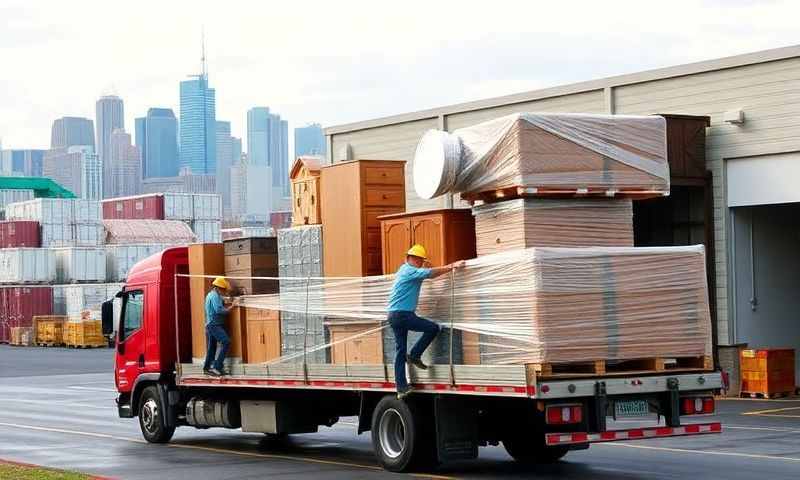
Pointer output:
x,y
768,372
49,330
84,334
22,336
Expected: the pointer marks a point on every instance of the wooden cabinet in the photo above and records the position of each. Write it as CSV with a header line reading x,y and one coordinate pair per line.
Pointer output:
x,y
448,235
305,178
263,335
252,257
768,372
366,349
354,194
204,259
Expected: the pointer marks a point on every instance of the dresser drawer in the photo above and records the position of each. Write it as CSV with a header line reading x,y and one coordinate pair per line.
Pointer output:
x,y
384,175
371,215
378,197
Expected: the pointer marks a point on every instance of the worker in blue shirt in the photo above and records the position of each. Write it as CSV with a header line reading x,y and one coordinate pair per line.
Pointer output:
x,y
216,312
402,304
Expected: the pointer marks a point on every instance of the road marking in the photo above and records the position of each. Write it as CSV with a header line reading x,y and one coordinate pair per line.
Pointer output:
x,y
216,450
767,429
773,410
701,452
768,400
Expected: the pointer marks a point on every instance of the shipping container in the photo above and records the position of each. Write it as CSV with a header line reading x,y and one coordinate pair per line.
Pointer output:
x,y
43,210
280,219
87,211
57,234
173,232
19,233
88,234
120,258
18,306
80,264
207,206
78,298
27,265
178,206
14,196
208,231
140,207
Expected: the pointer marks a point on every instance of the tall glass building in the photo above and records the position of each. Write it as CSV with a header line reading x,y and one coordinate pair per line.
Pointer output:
x,y
309,140
71,131
198,127
157,140
27,163
268,146
109,116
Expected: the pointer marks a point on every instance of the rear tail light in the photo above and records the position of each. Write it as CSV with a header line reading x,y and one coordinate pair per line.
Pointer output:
x,y
564,414
697,405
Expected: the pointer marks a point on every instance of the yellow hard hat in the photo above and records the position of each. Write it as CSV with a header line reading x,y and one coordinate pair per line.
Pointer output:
x,y
417,251
220,282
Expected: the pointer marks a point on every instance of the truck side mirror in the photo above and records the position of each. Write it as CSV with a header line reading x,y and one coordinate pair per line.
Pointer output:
x,y
108,317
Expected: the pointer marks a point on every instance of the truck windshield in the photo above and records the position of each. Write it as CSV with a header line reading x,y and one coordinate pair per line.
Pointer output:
x,y
132,313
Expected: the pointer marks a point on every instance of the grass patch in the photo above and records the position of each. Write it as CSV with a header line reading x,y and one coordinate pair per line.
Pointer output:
x,y
24,472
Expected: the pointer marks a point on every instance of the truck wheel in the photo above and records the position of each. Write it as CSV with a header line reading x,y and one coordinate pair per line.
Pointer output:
x,y
531,451
151,417
400,438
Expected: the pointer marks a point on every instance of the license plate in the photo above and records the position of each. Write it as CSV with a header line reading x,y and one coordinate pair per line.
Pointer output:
x,y
631,408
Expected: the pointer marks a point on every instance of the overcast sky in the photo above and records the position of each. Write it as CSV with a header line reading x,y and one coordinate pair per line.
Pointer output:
x,y
335,62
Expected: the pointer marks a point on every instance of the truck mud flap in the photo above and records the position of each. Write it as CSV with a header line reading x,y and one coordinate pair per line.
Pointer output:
x,y
456,429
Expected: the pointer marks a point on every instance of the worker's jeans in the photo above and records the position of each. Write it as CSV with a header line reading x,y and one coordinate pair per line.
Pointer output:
x,y
215,334
402,322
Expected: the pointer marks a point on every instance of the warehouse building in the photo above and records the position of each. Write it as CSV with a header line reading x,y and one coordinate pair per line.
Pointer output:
x,y
746,209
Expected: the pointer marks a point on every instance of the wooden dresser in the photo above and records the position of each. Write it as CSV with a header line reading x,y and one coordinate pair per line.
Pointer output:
x,y
354,194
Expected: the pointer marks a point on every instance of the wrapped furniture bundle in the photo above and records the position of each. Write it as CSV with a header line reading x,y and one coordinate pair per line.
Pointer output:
x,y
543,305
544,222
546,154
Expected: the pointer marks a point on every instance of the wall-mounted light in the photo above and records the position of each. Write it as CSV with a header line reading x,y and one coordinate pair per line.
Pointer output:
x,y
734,117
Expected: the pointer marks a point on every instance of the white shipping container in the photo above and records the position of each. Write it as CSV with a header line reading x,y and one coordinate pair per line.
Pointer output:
x,y
57,234
120,258
78,298
88,234
178,206
80,264
13,196
207,206
43,210
27,265
87,211
59,305
258,232
208,231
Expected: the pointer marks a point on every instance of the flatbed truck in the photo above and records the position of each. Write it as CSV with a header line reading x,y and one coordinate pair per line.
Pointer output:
x,y
454,410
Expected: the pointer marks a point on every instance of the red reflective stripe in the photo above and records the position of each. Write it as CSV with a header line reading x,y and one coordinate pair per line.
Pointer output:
x,y
608,435
638,433
692,428
664,431
715,427
580,437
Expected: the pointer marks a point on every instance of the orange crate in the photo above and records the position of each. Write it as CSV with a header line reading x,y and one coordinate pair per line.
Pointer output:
x,y
768,371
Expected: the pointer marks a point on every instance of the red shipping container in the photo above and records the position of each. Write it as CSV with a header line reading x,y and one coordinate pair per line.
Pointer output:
x,y
18,306
140,207
280,220
19,233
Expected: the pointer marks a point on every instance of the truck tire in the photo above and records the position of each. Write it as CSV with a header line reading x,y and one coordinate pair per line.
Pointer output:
x,y
151,417
531,451
403,436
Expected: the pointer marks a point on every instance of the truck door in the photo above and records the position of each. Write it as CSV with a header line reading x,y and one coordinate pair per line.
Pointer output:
x,y
131,340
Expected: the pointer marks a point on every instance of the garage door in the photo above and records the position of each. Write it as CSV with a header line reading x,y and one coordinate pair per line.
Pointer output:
x,y
763,180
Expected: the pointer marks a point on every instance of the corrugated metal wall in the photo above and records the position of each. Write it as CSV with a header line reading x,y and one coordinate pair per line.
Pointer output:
x,y
769,94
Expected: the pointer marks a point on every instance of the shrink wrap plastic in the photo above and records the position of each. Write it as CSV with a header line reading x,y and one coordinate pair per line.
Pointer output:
x,y
540,304
546,222
556,151
173,232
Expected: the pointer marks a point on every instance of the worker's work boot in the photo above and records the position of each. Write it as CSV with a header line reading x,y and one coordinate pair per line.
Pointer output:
x,y
416,362
214,372
403,393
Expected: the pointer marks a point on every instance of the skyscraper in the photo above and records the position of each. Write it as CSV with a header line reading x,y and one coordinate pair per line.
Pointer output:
x,y
124,165
309,140
157,140
77,168
109,116
198,126
26,163
70,131
268,145
224,161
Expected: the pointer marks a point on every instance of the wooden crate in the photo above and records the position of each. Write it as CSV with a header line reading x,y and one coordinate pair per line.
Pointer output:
x,y
49,329
204,259
305,178
22,336
768,372
84,334
354,194
448,235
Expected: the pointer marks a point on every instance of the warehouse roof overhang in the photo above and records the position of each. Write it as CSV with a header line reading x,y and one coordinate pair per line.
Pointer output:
x,y
591,85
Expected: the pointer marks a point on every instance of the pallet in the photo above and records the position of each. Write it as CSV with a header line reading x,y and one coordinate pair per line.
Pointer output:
x,y
511,193
93,345
622,367
50,344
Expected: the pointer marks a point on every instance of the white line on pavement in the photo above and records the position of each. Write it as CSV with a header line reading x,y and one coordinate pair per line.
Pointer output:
x,y
767,429
701,452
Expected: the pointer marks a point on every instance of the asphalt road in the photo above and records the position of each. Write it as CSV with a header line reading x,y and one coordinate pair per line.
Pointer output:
x,y
57,409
